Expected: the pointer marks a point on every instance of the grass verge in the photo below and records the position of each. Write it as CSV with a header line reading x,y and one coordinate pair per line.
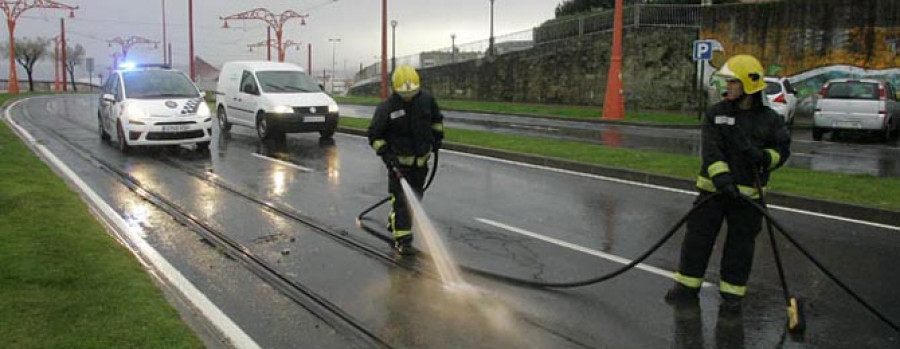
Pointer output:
x,y
549,110
63,281
856,189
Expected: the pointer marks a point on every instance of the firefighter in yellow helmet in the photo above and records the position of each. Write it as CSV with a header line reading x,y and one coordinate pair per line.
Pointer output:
x,y
743,142
406,128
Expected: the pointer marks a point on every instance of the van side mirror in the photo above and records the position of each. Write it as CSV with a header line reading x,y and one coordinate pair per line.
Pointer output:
x,y
322,87
108,98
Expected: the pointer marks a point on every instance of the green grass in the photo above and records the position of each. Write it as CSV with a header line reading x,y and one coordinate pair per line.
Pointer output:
x,y
550,110
65,283
856,189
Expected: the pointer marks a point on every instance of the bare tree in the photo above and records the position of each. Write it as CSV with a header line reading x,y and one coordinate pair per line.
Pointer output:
x,y
74,57
28,52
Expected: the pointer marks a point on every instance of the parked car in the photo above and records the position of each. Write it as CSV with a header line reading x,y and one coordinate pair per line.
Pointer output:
x,y
153,105
274,98
782,98
857,105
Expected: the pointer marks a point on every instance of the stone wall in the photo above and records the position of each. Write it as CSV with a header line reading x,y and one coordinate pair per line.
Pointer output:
x,y
657,71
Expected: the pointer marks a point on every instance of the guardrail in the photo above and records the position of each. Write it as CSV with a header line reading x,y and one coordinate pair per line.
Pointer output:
x,y
42,85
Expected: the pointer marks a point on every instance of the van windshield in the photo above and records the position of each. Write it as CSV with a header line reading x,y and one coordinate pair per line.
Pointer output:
x,y
286,81
150,84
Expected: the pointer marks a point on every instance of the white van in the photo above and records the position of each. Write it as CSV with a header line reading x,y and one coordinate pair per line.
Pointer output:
x,y
273,98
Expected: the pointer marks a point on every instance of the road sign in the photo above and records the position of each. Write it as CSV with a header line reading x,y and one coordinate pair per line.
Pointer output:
x,y
89,63
703,50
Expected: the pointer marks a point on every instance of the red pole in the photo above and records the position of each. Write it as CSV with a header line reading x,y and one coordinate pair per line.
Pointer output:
x,y
280,45
383,49
62,28
309,57
614,103
13,78
269,43
191,35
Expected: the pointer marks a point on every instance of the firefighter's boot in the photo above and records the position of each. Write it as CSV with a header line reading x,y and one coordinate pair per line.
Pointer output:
x,y
681,294
404,246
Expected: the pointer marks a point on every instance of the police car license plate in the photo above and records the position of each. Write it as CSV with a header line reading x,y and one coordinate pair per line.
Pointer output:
x,y
847,124
174,128
313,119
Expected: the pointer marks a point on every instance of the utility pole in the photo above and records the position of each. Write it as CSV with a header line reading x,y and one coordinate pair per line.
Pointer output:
x,y
13,9
384,49
393,45
191,39
333,44
62,43
452,48
127,43
165,43
309,58
274,21
491,41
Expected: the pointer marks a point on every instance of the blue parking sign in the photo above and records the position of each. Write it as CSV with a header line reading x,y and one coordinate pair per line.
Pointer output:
x,y
702,50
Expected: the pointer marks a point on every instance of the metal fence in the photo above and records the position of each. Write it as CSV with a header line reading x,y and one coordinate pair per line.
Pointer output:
x,y
639,15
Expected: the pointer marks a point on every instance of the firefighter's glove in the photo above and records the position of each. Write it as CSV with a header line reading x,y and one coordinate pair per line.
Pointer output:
x,y
757,156
725,184
389,159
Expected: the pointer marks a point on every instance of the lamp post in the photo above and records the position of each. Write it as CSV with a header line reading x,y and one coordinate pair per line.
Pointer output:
x,y
491,40
393,45
333,45
452,48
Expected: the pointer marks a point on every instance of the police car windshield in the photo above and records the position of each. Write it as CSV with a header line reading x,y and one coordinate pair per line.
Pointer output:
x,y
149,84
286,81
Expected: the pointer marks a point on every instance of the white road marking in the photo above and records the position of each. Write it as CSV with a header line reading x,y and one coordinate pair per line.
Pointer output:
x,y
145,253
283,163
610,257
659,187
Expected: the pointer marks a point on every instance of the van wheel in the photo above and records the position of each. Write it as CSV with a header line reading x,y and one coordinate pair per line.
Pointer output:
x,y
122,142
104,136
817,134
263,130
224,125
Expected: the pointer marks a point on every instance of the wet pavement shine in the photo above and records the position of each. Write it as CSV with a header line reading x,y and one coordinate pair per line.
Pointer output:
x,y
500,217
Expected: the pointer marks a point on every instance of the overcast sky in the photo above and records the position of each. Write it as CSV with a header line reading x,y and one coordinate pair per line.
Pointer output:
x,y
423,25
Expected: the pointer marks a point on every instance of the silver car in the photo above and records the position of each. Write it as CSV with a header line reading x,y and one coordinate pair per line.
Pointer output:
x,y
857,105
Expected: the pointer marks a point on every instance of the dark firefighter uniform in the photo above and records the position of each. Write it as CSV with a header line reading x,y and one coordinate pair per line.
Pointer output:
x,y
740,148
404,133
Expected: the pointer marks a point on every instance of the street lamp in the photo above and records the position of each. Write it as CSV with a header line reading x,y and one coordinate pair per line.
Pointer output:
x,y
333,44
452,48
393,45
491,41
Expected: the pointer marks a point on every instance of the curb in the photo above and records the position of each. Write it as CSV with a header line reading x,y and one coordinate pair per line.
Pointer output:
x,y
846,210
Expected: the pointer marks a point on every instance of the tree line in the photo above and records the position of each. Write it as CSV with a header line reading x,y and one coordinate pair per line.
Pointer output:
x,y
29,51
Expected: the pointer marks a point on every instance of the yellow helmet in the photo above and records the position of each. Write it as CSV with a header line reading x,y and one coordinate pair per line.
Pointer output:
x,y
405,81
747,69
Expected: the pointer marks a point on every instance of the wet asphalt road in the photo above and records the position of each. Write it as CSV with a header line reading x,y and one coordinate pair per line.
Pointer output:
x,y
480,206
860,154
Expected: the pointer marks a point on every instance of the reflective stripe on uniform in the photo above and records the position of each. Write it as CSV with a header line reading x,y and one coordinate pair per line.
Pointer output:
x,y
419,161
688,281
378,143
725,287
401,233
774,156
437,127
706,184
716,168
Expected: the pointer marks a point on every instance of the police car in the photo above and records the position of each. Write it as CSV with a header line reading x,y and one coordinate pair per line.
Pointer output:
x,y
152,105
